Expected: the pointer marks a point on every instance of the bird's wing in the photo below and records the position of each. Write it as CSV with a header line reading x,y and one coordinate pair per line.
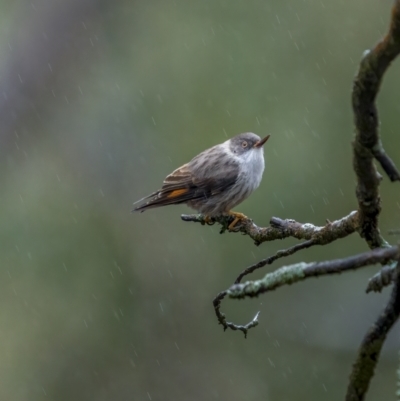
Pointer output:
x,y
175,189
214,171
199,179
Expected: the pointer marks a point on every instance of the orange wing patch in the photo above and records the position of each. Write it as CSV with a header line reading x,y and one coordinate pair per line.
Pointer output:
x,y
177,192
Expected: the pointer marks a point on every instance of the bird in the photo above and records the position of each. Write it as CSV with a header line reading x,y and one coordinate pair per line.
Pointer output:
x,y
214,181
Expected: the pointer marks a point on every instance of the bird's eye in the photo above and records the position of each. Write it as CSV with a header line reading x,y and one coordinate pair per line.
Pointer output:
x,y
244,144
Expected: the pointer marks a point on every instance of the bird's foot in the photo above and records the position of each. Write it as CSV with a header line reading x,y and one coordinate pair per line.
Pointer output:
x,y
238,217
209,220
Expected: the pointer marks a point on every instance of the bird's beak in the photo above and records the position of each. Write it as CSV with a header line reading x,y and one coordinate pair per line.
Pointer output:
x,y
261,142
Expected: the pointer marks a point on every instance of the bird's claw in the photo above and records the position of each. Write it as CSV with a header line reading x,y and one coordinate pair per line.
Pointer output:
x,y
237,217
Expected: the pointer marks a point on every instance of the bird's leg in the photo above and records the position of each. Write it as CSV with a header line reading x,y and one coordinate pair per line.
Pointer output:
x,y
238,216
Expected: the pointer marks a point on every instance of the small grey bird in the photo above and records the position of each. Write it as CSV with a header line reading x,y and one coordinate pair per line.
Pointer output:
x,y
216,180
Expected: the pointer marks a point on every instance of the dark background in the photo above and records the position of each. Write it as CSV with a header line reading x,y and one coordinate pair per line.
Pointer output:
x,y
98,102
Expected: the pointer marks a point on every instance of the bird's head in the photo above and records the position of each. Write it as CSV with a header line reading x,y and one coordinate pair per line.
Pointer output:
x,y
247,142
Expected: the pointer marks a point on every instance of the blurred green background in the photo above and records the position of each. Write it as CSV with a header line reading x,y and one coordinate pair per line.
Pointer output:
x,y
98,102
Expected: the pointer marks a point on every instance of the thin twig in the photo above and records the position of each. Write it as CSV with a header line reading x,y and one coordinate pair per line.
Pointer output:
x,y
233,326
280,254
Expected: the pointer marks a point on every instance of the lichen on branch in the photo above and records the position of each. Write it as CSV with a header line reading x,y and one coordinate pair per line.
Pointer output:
x,y
291,274
285,228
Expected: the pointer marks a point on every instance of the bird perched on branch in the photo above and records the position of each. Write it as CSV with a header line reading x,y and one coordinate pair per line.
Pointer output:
x,y
216,180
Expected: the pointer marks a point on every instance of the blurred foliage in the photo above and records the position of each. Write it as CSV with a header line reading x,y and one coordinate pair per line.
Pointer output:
x,y
99,101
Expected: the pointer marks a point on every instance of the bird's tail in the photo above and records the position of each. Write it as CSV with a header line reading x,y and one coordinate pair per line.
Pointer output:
x,y
142,208
162,198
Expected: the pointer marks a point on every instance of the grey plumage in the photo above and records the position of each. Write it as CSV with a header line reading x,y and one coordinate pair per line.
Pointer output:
x,y
216,180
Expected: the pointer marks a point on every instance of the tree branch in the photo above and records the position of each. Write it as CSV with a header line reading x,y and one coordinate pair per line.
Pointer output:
x,y
280,229
383,278
367,144
368,354
287,275
218,299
